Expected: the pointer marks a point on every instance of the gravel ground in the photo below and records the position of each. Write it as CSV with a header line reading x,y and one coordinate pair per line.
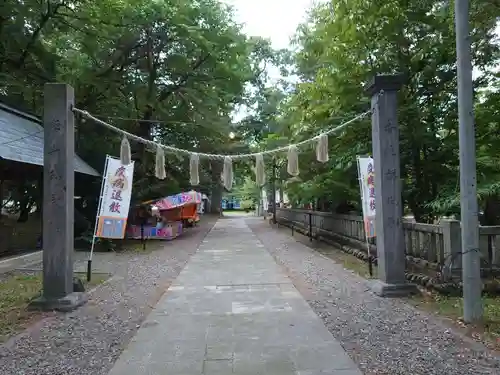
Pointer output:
x,y
383,336
90,339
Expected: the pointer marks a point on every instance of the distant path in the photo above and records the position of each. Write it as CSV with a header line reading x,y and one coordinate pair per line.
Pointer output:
x,y
236,214
232,310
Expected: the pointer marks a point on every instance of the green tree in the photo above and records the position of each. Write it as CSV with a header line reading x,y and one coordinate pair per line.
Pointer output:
x,y
177,69
343,45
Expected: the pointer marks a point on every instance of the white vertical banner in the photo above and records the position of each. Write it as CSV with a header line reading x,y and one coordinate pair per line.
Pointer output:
x,y
366,175
115,199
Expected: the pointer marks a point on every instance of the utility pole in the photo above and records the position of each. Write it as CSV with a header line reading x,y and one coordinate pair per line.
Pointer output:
x,y
471,267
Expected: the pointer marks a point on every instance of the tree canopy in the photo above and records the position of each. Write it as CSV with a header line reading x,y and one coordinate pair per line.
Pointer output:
x,y
346,42
176,71
169,70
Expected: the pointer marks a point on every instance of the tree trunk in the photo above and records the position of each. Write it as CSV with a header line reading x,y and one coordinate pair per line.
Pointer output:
x,y
344,208
217,188
491,211
216,199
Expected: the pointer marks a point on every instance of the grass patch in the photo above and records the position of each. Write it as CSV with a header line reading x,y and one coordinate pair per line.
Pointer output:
x,y
17,290
487,332
349,262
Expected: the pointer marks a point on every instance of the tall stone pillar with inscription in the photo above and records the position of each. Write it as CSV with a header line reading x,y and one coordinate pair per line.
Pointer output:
x,y
389,210
58,201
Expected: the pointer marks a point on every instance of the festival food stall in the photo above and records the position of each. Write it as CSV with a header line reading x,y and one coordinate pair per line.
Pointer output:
x,y
164,218
181,207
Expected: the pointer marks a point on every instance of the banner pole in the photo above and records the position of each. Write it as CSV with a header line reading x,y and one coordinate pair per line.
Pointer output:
x,y
370,265
103,183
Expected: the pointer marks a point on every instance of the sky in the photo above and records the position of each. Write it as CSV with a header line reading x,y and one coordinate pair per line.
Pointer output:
x,y
276,20
273,19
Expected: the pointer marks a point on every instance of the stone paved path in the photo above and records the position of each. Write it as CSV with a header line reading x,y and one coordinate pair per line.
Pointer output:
x,y
232,310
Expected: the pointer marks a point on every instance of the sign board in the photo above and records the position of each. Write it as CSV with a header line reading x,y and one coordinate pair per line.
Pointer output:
x,y
115,199
366,175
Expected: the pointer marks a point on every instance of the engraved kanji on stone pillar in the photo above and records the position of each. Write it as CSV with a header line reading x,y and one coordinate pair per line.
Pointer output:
x,y
58,200
389,210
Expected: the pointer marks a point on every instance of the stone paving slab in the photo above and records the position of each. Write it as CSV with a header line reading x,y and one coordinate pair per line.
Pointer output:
x,y
233,311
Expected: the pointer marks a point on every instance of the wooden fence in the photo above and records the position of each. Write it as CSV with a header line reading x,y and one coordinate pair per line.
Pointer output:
x,y
436,246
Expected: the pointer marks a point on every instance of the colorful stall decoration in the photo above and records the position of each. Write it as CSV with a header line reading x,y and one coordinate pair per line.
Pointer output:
x,y
180,207
165,218
176,201
167,232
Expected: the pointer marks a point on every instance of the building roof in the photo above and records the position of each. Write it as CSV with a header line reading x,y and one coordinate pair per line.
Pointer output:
x,y
21,140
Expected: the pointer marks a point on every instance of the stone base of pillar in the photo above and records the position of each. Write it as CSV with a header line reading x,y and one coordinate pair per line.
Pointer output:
x,y
65,304
383,289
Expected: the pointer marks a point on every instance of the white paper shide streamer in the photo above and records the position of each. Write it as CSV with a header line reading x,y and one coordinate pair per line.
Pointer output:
x,y
260,171
227,173
293,161
194,167
322,148
160,172
125,153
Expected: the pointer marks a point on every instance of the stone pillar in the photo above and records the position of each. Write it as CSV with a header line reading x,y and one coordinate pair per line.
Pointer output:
x,y
58,200
389,208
